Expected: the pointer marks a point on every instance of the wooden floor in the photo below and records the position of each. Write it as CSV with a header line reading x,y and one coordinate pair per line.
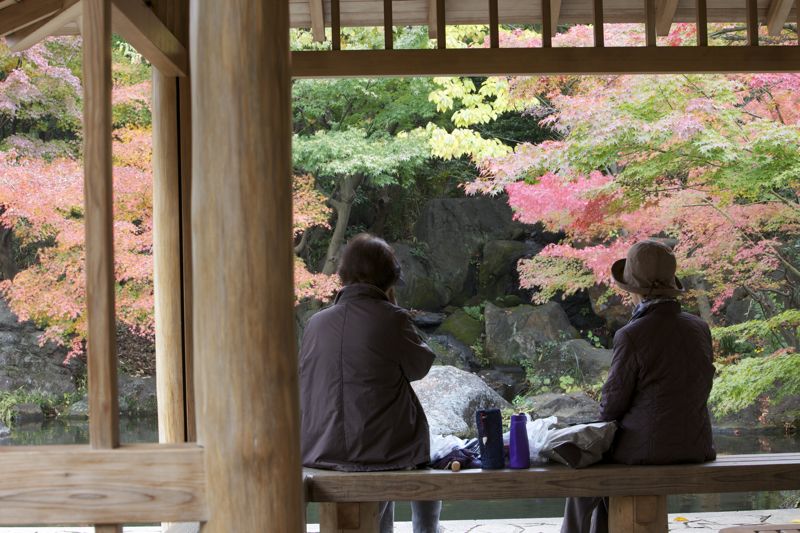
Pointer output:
x,y
694,522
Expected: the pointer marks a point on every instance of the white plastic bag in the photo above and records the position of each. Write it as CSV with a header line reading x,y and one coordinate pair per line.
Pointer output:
x,y
441,445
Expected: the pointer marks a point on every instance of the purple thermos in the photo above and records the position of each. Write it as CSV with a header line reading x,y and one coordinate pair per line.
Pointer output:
x,y
518,449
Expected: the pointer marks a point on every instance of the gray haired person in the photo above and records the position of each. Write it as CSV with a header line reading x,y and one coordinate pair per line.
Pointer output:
x,y
357,359
660,378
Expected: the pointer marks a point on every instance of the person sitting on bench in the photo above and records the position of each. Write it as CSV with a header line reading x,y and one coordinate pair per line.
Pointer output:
x,y
660,378
357,359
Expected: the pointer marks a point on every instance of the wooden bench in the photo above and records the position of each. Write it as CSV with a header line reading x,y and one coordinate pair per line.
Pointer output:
x,y
638,503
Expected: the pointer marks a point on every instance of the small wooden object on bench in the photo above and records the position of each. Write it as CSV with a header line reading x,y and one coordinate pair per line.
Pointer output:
x,y
637,493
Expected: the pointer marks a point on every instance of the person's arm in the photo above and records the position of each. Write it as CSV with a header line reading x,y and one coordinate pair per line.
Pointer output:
x,y
621,383
414,355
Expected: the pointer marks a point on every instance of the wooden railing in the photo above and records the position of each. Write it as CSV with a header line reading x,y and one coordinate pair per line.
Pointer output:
x,y
658,18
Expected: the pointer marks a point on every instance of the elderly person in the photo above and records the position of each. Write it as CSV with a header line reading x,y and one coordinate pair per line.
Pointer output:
x,y
660,378
357,359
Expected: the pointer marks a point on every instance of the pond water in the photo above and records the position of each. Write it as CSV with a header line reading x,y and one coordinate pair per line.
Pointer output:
x,y
146,430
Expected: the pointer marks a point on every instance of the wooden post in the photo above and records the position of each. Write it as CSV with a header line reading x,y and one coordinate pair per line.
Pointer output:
x,y
98,203
388,25
336,28
547,24
702,23
441,25
752,22
167,260
597,14
348,517
650,22
637,514
494,25
244,341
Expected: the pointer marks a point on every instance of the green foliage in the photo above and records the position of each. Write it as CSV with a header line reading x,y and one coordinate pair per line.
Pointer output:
x,y
131,115
49,403
475,311
753,335
740,385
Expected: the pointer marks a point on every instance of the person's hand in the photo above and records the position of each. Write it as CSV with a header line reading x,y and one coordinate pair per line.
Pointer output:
x,y
390,294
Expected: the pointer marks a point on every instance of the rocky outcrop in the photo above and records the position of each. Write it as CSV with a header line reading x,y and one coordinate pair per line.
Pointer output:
x,y
452,352
572,408
462,327
422,288
609,307
24,364
23,413
450,398
497,273
509,382
454,231
513,334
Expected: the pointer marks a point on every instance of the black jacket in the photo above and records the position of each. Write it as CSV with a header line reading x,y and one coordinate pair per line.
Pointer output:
x,y
658,386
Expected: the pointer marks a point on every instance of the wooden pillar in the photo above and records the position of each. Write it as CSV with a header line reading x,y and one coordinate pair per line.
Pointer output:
x,y
170,170
244,342
98,203
348,517
166,260
637,514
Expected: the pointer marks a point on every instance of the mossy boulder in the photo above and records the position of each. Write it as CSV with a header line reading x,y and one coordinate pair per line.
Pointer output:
x,y
463,327
498,267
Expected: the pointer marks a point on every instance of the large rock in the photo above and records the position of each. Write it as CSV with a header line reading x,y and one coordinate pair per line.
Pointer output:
x,y
137,395
452,352
463,327
497,273
609,306
573,408
455,231
592,363
513,334
450,398
508,381
564,366
26,365
22,413
423,288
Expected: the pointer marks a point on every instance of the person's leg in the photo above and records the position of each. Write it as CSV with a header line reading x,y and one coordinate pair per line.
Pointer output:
x,y
425,516
600,517
578,514
386,515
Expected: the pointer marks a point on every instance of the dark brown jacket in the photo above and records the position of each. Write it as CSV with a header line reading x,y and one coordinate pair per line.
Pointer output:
x,y
658,386
358,411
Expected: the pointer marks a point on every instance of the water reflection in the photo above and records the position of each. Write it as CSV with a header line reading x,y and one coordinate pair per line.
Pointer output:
x,y
57,431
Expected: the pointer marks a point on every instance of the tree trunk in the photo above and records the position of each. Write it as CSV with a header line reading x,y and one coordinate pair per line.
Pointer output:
x,y
343,207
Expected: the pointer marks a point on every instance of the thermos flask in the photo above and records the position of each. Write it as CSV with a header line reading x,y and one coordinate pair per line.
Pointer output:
x,y
490,438
518,449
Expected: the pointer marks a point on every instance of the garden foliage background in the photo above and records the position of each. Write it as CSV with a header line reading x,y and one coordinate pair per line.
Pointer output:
x,y
711,164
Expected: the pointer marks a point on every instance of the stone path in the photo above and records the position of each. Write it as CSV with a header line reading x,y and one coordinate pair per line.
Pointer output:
x,y
689,522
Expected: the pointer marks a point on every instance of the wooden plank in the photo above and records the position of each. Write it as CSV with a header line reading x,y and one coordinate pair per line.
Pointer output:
x,y
665,13
348,517
597,15
702,23
167,260
336,29
25,12
441,25
777,472
30,35
547,24
752,22
432,33
534,61
650,22
777,15
135,22
77,484
247,393
388,26
317,20
108,528
555,15
494,25
638,514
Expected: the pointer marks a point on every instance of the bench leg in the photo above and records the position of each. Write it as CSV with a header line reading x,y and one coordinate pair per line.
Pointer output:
x,y
348,517
637,514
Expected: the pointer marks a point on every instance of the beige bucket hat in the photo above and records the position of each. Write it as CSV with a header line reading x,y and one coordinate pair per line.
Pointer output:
x,y
649,270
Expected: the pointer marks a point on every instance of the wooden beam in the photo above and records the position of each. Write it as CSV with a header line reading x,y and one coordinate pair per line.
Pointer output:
x,y
555,15
702,22
336,28
665,13
432,33
650,22
78,485
441,24
135,22
317,20
597,15
388,25
246,372
494,25
30,35
752,22
349,517
167,260
777,15
547,25
25,12
542,61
